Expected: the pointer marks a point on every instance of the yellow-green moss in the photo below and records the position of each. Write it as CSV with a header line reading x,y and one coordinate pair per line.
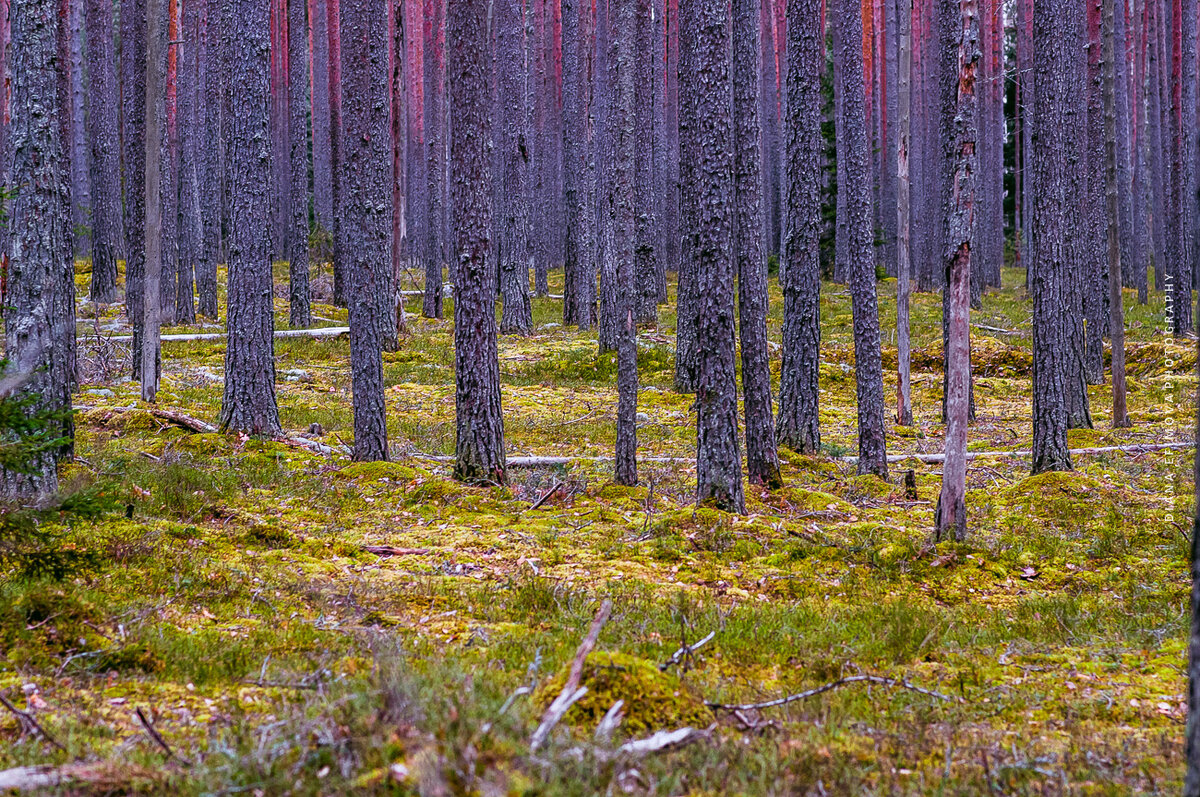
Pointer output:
x,y
654,700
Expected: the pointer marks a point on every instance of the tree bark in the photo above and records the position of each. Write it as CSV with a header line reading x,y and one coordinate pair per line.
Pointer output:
x,y
686,358
1116,321
630,51
513,153
191,228
104,138
479,447
950,516
1053,84
860,240
750,259
299,304
212,163
718,455
335,150
80,186
646,253
169,171
798,425
156,67
1078,242
133,151
248,404
904,416
38,230
392,301
366,210
435,158
322,170
579,271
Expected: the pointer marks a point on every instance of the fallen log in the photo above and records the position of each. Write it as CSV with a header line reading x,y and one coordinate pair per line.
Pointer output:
x,y
316,332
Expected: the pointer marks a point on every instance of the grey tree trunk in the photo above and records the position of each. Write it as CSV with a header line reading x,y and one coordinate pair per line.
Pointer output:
x,y
1053,84
798,425
212,162
646,253
904,416
133,155
750,259
299,304
104,138
322,169
1095,287
868,363
687,298
248,404
1191,786
38,229
335,150
629,142
191,228
435,155
513,150
156,69
479,445
366,210
392,301
169,158
841,258
1116,320
1078,249
718,454
579,270
80,186
950,516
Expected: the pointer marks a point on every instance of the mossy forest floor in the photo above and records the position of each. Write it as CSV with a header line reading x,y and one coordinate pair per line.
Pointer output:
x,y
238,607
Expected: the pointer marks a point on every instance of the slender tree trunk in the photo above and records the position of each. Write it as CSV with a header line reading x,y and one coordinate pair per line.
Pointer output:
x,y
841,258
299,305
577,266
479,448
607,323
322,170
513,153
38,229
750,259
155,112
1116,322
133,156
630,52
393,300
671,235
104,137
1078,410
1095,275
249,404
212,162
435,125
1191,786
686,359
718,455
169,173
861,266
335,150
80,185
950,516
798,425
366,210
1158,144
1053,84
190,224
646,254
904,416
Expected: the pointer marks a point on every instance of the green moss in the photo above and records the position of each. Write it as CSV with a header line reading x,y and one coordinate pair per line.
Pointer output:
x,y
654,700
377,471
209,444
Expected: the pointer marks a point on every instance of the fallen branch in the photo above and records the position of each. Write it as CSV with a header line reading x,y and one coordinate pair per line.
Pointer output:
x,y
545,496
27,721
571,691
686,650
996,330
661,740
30,778
388,550
157,737
316,332
852,679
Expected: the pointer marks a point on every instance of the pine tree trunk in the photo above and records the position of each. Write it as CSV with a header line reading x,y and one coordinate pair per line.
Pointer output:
x,y
1095,276
606,322
80,187
687,298
578,269
646,253
479,446
750,259
322,169
950,516
249,404
1116,321
435,170
38,228
671,234
169,174
104,138
133,156
1078,241
904,416
155,111
513,153
366,210
1157,145
190,225
299,305
392,300
630,49
212,162
860,250
1053,84
336,159
718,454
798,425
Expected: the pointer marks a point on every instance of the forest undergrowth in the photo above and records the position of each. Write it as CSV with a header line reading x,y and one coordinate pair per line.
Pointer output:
x,y
288,621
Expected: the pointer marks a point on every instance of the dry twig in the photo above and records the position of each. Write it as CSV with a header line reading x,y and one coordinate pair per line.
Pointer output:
x,y
157,737
571,690
26,719
851,679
